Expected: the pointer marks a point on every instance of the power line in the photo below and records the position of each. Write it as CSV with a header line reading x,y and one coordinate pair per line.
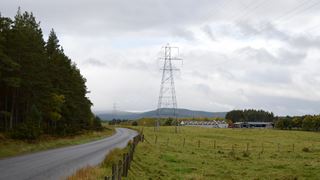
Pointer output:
x,y
297,10
290,12
257,5
115,111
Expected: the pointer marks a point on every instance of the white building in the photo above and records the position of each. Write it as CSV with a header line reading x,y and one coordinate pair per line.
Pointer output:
x,y
209,124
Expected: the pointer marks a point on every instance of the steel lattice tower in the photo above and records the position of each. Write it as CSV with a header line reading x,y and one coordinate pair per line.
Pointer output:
x,y
167,103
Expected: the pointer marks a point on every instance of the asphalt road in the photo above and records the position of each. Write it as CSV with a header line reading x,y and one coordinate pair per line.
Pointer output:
x,y
59,163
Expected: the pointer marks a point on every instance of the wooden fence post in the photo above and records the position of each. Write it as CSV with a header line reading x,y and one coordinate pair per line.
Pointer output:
x,y
114,172
127,163
292,147
247,147
124,165
184,141
131,159
119,170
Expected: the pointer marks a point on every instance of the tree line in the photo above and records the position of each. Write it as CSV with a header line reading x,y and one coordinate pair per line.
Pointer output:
x,y
41,89
250,115
307,122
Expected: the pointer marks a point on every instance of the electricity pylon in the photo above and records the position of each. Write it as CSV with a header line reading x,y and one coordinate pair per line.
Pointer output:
x,y
167,103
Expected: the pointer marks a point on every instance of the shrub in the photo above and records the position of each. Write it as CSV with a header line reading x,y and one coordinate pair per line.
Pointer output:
x,y
113,157
31,128
168,122
305,149
26,131
134,123
245,154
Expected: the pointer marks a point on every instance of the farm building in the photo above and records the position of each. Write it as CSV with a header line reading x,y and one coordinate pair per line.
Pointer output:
x,y
253,125
210,124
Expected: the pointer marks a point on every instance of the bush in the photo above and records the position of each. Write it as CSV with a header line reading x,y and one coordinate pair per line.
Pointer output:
x,y
134,123
26,131
307,123
31,128
113,157
97,124
168,122
305,149
246,154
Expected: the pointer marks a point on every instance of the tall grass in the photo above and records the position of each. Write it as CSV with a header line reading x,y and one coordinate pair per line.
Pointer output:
x,y
102,170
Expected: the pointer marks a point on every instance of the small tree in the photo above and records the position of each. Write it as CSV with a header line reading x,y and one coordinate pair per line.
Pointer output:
x,y
168,122
31,128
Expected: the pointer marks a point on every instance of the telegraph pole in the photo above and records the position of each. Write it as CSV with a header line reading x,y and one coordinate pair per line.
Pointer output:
x,y
167,103
114,112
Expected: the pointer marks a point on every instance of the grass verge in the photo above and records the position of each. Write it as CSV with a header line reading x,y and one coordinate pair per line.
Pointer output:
x,y
10,147
102,170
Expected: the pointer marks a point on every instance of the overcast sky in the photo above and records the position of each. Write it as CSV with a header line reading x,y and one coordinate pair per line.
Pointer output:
x,y
261,54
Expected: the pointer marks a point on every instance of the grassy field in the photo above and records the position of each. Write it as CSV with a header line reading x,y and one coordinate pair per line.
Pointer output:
x,y
227,154
9,147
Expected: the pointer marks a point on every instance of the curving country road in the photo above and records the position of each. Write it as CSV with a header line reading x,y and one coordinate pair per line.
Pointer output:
x,y
59,163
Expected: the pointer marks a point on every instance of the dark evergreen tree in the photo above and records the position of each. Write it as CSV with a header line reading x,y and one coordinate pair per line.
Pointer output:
x,y
42,90
250,115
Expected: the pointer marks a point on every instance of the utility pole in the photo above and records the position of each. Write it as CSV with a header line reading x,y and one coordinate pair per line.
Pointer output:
x,y
167,103
114,112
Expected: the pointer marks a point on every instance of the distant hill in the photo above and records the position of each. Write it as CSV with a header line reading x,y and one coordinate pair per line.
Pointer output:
x,y
182,113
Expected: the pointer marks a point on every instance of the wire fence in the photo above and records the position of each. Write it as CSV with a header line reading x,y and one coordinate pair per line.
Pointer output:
x,y
236,146
121,168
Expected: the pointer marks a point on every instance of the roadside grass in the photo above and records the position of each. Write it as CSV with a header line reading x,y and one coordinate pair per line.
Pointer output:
x,y
102,170
210,153
10,147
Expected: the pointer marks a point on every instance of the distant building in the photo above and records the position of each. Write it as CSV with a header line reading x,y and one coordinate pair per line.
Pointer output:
x,y
209,124
253,125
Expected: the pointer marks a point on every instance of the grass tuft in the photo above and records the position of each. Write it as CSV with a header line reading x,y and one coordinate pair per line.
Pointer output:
x,y
305,149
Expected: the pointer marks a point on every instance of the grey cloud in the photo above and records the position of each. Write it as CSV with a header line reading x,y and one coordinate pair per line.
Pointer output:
x,y
284,105
199,74
264,29
136,65
204,88
270,31
208,31
260,55
290,57
98,17
246,29
273,76
283,56
305,41
183,33
93,62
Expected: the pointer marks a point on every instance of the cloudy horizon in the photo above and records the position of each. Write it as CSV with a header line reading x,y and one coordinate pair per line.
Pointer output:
x,y
237,54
